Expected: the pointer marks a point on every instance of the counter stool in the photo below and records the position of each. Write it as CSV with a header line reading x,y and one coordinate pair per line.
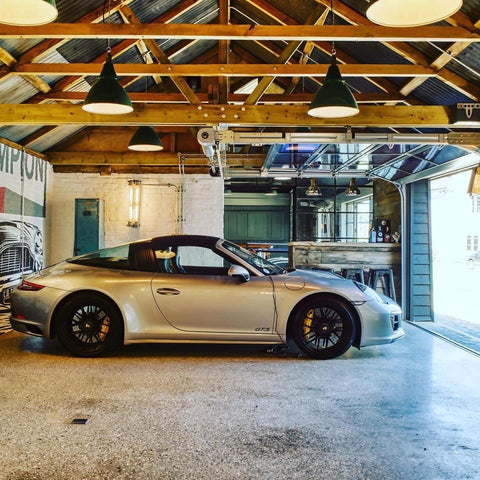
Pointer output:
x,y
324,269
382,278
354,274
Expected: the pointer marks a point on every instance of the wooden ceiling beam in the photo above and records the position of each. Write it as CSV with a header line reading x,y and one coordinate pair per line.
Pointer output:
x,y
131,169
6,57
162,58
46,46
223,51
124,45
317,17
438,65
246,115
297,98
410,53
17,146
147,158
179,31
325,47
177,71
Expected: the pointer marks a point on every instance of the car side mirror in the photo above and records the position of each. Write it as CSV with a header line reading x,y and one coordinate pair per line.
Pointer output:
x,y
240,272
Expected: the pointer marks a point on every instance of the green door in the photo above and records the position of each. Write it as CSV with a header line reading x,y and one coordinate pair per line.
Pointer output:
x,y
86,225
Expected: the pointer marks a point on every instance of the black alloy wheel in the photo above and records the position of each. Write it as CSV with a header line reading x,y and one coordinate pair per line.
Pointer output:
x,y
88,325
323,328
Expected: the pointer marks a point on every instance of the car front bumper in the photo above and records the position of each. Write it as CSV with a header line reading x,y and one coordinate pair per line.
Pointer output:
x,y
381,323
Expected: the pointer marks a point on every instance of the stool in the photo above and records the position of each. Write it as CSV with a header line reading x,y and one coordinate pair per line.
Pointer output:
x,y
354,274
385,278
323,269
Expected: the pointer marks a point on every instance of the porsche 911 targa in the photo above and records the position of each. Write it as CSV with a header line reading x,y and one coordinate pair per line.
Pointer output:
x,y
191,288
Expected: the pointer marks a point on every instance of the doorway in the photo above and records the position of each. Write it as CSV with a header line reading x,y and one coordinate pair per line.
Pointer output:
x,y
87,225
455,220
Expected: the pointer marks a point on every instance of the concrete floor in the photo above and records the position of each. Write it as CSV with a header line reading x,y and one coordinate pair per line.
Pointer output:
x,y
410,410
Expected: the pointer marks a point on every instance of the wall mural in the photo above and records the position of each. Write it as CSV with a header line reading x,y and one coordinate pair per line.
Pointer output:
x,y
23,181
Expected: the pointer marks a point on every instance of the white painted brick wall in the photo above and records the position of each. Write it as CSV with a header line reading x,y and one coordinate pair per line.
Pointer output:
x,y
203,207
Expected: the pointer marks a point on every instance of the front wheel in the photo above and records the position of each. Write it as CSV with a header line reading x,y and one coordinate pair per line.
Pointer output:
x,y
89,325
323,328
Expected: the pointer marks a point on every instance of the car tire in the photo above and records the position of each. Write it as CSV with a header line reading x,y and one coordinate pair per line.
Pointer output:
x,y
89,325
323,328
471,264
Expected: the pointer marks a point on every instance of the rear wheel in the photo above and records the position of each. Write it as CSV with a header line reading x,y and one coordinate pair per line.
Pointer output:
x,y
89,325
323,328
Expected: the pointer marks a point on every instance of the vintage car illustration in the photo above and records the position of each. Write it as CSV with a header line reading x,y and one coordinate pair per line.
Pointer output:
x,y
21,252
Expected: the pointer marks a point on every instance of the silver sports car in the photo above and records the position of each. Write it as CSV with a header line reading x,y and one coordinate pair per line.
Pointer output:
x,y
189,288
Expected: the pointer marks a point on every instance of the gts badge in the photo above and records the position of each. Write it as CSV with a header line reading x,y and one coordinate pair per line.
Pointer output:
x,y
262,329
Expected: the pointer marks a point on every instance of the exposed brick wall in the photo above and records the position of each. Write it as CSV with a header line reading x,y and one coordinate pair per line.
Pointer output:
x,y
203,207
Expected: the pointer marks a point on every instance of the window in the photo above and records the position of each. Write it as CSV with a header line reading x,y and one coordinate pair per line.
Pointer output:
x,y
475,203
472,242
116,257
191,259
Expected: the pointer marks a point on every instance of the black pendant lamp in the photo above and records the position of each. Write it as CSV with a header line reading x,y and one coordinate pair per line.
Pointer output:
x,y
411,13
352,190
27,12
333,99
145,139
107,96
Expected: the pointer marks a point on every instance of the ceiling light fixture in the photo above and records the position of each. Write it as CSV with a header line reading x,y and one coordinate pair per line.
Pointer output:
x,y
352,190
333,99
411,13
107,96
145,139
313,190
28,12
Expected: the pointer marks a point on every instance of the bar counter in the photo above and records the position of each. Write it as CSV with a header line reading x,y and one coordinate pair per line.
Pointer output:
x,y
340,255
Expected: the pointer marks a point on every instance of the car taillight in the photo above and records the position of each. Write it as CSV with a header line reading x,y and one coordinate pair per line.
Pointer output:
x,y
29,286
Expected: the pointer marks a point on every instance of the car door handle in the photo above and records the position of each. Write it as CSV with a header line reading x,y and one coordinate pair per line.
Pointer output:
x,y
168,291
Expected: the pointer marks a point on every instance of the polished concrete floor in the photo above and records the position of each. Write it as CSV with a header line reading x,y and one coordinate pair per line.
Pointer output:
x,y
410,410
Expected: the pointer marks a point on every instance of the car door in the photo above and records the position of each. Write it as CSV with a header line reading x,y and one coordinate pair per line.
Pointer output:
x,y
199,296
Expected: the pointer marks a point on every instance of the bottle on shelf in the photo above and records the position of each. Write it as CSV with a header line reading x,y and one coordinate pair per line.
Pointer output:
x,y
372,236
387,237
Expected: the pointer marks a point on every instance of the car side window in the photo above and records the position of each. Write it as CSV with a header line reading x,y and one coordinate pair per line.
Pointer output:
x,y
193,260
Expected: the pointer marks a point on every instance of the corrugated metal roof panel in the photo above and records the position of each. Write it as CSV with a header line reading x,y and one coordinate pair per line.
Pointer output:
x,y
17,132
371,52
69,11
147,11
435,92
296,10
16,90
57,135
18,46
467,64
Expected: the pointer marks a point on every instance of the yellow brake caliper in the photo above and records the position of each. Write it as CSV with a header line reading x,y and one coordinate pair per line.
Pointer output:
x,y
307,324
104,328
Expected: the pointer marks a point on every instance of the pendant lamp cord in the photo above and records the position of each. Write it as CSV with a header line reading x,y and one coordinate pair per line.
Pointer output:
x,y
103,21
334,52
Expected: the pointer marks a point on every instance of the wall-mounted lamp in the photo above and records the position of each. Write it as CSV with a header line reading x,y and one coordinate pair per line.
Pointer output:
x,y
28,12
313,190
352,190
411,13
134,203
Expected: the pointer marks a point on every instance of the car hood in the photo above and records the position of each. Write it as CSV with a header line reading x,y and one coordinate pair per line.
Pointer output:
x,y
324,281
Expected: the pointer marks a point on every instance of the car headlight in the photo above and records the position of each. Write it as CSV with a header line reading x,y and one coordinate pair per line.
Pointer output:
x,y
369,292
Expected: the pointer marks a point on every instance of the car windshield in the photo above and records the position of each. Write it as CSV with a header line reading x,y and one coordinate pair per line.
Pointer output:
x,y
254,260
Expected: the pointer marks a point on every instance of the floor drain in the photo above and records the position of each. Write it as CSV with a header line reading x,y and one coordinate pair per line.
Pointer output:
x,y
79,421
